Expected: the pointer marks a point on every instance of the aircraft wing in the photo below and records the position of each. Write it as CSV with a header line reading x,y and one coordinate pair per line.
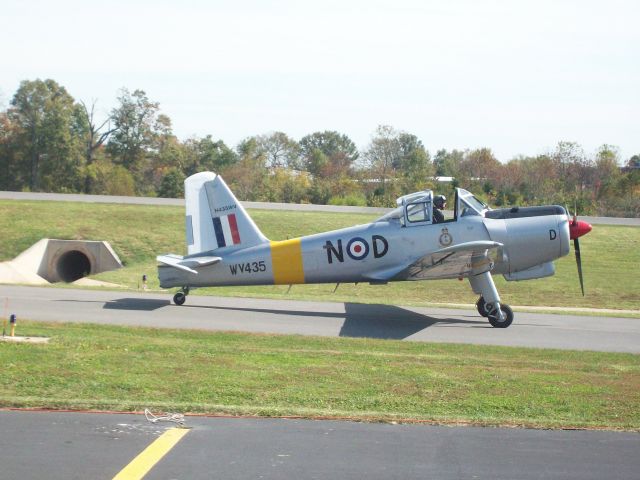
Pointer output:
x,y
187,264
450,262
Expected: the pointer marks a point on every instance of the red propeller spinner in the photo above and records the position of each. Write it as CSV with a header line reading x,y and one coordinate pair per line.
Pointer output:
x,y
578,228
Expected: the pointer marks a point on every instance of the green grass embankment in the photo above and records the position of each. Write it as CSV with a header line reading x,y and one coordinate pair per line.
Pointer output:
x,y
138,233
129,369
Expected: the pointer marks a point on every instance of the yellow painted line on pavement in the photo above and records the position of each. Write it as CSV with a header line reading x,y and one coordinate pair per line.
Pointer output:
x,y
151,455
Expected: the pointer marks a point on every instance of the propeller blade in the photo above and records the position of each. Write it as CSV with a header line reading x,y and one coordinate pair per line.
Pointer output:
x,y
576,245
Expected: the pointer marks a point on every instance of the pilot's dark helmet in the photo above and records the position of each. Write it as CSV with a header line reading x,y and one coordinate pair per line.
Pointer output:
x,y
439,201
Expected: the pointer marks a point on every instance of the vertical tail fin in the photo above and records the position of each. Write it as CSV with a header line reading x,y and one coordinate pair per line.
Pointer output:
x,y
215,219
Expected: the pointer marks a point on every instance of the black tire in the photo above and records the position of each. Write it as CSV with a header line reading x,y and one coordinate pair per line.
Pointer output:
x,y
179,298
481,306
508,317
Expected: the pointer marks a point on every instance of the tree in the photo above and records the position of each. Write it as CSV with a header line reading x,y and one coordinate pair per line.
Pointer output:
x,y
447,164
634,162
94,136
607,160
317,163
13,175
542,179
606,170
383,153
399,163
509,186
135,122
573,168
279,150
247,177
207,154
166,151
479,164
43,116
415,163
172,185
165,154
327,153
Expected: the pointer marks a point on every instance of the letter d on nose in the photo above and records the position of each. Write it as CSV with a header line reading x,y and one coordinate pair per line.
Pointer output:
x,y
552,234
377,253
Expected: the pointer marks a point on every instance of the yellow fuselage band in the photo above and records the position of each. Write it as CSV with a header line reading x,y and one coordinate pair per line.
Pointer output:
x,y
286,260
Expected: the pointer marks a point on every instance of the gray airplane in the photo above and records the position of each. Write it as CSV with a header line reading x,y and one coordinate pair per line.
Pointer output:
x,y
225,247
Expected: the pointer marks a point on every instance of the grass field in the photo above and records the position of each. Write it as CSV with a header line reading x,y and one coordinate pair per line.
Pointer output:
x,y
139,233
107,367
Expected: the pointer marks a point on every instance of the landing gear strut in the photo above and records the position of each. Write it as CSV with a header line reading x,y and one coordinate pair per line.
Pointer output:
x,y
499,315
180,297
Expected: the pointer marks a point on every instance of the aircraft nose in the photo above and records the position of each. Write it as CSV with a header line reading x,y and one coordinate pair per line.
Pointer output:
x,y
578,229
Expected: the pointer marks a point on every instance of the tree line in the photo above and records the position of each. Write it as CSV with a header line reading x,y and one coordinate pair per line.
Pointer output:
x,y
51,142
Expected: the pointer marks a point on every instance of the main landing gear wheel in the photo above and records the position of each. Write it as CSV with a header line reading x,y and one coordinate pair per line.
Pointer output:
x,y
481,305
179,298
507,315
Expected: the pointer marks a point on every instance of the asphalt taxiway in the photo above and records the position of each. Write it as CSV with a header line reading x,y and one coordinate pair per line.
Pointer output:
x,y
598,333
56,445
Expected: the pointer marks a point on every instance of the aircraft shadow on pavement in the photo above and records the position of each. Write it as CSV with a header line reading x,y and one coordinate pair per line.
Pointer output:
x,y
369,321
389,321
146,304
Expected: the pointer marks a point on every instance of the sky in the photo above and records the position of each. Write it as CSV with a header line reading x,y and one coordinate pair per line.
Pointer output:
x,y
514,76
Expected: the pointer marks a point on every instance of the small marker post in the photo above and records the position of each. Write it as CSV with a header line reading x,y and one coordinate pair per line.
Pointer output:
x,y
4,316
13,320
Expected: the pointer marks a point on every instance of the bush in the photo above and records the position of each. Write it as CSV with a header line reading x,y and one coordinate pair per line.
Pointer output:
x,y
110,179
172,185
354,199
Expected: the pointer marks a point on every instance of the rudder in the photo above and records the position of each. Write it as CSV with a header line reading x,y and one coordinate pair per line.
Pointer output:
x,y
215,219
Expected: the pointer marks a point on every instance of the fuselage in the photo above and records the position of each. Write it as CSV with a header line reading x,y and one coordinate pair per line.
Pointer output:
x,y
411,242
365,252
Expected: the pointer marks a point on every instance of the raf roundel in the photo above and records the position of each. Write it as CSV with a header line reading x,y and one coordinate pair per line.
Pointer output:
x,y
357,248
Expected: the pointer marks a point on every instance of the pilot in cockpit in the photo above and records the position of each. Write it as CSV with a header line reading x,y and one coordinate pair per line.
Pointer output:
x,y
440,202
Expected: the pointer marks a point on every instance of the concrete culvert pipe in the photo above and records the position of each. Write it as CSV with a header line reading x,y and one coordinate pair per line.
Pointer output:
x,y
73,265
54,260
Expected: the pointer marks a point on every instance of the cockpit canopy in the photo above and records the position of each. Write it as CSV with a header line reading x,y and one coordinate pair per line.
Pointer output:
x,y
417,208
468,204
414,208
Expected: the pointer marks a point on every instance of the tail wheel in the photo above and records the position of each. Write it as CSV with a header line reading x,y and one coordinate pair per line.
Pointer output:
x,y
481,306
179,298
495,321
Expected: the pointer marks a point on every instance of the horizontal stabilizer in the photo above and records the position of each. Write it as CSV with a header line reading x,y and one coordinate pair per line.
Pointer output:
x,y
196,262
187,264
